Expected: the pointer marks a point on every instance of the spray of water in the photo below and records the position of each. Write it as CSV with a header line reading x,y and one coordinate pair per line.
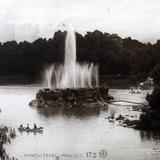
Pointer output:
x,y
71,74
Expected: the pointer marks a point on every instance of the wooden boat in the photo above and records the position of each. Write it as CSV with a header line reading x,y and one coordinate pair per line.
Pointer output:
x,y
132,126
135,91
111,120
21,129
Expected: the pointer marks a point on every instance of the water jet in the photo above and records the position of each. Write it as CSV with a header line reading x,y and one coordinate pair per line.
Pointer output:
x,y
71,74
72,84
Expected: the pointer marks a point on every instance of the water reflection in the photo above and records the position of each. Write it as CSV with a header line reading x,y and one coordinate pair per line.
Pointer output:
x,y
81,113
150,135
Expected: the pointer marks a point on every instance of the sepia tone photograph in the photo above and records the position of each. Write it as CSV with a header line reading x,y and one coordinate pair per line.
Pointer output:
x,y
79,80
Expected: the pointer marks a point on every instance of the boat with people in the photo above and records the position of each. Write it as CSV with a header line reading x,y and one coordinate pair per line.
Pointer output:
x,y
40,129
28,129
135,91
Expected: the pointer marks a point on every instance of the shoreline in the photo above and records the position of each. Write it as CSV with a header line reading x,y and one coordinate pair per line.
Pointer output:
x,y
7,134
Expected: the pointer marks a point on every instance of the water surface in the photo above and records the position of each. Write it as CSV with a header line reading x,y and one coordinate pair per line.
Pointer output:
x,y
75,132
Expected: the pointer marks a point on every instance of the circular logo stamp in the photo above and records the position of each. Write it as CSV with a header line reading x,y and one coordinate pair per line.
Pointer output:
x,y
103,153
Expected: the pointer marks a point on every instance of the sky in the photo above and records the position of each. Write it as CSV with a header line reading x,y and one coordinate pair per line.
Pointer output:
x,y
30,19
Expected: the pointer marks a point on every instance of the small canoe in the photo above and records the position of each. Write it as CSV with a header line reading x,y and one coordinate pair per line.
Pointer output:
x,y
40,129
111,120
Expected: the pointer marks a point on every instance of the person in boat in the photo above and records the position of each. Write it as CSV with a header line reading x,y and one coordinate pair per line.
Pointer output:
x,y
27,126
35,126
21,126
132,90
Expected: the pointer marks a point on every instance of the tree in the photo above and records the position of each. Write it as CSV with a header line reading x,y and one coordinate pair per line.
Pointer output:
x,y
156,75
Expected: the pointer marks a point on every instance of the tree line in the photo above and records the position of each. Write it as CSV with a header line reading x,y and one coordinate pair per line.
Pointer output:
x,y
116,56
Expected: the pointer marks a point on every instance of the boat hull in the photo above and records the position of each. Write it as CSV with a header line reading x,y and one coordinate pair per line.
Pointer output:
x,y
31,130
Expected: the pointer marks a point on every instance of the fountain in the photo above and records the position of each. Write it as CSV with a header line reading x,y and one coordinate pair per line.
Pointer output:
x,y
72,84
71,74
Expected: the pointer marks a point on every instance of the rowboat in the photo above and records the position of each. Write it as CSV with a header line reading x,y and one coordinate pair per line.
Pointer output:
x,y
21,129
111,120
135,91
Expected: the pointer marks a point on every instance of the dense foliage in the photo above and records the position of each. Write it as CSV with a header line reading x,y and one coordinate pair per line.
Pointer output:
x,y
116,56
156,75
154,99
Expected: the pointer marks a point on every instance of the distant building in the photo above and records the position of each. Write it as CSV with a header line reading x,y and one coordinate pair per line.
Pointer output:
x,y
148,82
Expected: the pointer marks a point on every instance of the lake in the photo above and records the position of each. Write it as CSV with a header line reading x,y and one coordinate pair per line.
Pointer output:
x,y
75,135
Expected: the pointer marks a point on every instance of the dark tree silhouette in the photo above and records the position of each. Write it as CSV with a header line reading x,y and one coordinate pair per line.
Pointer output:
x,y
116,56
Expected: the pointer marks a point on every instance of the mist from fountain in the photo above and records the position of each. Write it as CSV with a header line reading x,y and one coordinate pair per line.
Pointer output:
x,y
71,74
